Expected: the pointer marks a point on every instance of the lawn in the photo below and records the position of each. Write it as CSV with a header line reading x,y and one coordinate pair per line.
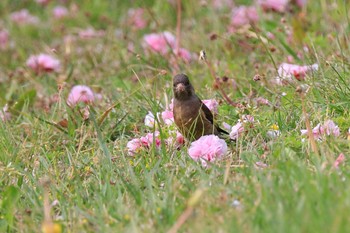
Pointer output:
x,y
87,138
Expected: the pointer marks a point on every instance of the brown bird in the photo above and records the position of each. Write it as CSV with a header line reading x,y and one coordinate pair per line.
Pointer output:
x,y
191,115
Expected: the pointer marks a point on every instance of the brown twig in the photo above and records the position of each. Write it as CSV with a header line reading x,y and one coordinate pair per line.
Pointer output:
x,y
48,226
181,220
308,127
46,182
178,28
188,211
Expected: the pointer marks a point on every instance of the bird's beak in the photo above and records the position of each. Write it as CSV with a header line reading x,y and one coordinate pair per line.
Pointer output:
x,y
180,87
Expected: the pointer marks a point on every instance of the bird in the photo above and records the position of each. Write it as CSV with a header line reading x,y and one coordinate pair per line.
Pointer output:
x,y
191,115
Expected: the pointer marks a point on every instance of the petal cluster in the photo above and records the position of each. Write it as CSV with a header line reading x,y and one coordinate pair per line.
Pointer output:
x,y
163,43
90,33
160,42
5,115
23,17
43,63
289,72
4,39
274,5
212,104
80,94
136,18
135,145
243,15
328,128
59,12
239,128
207,148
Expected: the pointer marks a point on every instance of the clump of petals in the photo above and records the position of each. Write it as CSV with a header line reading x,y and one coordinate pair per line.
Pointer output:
x,y
168,117
317,132
59,12
274,5
329,128
163,43
262,101
4,39
42,2
301,3
339,160
43,63
171,105
149,120
260,165
178,141
149,138
90,33
226,126
160,42
243,15
220,4
236,130
134,146
23,17
207,148
5,115
286,72
184,54
80,94
137,144
270,35
212,104
136,18
247,119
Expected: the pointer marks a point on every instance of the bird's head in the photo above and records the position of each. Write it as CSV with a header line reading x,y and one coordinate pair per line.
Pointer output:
x,y
182,87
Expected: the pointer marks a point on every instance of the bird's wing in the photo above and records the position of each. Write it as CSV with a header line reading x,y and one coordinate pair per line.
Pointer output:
x,y
209,115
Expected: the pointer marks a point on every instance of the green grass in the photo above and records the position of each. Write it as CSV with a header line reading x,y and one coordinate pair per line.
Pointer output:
x,y
100,188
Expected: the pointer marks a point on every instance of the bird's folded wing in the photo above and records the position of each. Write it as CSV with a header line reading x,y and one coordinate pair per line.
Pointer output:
x,y
209,116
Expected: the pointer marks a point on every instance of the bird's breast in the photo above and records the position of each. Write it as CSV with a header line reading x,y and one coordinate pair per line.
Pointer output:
x,y
185,112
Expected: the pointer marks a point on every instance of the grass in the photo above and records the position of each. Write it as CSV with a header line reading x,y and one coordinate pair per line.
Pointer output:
x,y
100,188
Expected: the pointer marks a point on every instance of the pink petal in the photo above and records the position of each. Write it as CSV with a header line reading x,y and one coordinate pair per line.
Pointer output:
x,y
243,15
136,18
43,62
212,104
80,93
301,3
59,12
133,146
24,17
236,130
168,117
287,72
339,160
4,39
275,5
150,120
160,43
208,148
184,54
90,33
